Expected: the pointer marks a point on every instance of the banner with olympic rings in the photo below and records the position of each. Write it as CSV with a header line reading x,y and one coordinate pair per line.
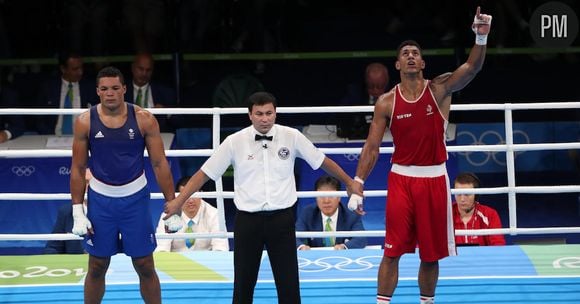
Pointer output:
x,y
524,133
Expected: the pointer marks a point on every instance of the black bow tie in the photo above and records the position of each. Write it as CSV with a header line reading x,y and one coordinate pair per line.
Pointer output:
x,y
263,137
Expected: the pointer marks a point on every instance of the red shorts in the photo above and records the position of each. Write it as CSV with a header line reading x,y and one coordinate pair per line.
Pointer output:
x,y
418,213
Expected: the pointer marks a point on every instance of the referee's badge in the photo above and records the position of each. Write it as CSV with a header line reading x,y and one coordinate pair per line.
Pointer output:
x,y
283,153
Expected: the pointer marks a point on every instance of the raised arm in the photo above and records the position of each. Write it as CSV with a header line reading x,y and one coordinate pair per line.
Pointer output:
x,y
467,71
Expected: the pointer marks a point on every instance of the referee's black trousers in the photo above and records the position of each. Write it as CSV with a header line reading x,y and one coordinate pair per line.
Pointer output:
x,y
274,230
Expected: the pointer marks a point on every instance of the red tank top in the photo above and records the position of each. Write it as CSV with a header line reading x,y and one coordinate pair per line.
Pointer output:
x,y
418,130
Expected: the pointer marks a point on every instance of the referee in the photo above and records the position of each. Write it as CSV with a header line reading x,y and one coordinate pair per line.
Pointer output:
x,y
262,156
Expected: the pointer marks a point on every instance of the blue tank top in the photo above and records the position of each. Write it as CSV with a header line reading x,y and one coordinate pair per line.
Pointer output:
x,y
116,154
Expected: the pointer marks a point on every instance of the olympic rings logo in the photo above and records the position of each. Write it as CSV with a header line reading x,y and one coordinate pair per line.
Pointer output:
x,y
23,170
490,137
338,263
351,157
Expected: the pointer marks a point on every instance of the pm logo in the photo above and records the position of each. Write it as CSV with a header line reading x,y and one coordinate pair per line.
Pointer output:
x,y
554,24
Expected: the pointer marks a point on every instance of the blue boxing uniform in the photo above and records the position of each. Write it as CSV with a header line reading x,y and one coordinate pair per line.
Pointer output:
x,y
118,194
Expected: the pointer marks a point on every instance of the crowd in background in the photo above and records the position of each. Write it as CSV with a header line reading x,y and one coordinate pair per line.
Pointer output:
x,y
46,29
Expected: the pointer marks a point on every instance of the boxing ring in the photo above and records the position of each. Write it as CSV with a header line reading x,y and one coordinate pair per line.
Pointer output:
x,y
507,274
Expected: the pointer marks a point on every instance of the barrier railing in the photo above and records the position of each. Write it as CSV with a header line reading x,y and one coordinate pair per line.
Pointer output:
x,y
509,148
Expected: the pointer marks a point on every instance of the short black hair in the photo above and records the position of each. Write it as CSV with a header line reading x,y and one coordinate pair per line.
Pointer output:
x,y
408,42
261,98
110,71
327,180
63,57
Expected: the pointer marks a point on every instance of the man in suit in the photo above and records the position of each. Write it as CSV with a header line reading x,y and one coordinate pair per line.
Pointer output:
x,y
329,214
146,93
11,126
355,125
68,90
64,224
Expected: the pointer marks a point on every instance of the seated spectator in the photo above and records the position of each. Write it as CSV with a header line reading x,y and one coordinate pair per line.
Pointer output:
x,y
68,90
198,216
376,83
64,224
146,93
468,213
329,214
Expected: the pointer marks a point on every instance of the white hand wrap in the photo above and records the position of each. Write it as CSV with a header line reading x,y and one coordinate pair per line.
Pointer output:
x,y
174,223
480,39
354,202
359,180
81,222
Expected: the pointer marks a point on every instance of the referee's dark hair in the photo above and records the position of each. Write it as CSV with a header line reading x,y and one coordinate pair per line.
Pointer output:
x,y
260,99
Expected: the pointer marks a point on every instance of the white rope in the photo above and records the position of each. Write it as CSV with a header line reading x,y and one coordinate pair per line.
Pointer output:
x,y
47,153
307,194
299,234
509,148
324,109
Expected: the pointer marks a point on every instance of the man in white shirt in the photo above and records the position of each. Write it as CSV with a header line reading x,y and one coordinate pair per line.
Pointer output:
x,y
262,156
197,216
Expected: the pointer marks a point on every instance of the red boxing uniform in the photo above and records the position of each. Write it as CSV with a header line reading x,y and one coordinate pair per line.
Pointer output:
x,y
483,217
418,130
418,208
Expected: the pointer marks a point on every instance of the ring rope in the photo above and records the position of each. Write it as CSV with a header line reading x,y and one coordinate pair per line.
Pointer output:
x,y
509,148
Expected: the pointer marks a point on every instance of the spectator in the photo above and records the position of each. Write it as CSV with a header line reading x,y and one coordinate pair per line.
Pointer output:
x,y
468,213
11,126
329,214
64,224
68,90
149,94
354,125
203,218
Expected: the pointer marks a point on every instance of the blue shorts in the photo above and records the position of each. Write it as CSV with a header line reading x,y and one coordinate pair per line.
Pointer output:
x,y
129,217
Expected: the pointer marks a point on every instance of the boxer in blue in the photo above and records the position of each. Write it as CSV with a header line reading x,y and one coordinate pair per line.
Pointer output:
x,y
116,133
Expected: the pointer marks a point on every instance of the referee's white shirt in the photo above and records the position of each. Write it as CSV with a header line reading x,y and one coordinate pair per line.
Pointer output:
x,y
263,170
